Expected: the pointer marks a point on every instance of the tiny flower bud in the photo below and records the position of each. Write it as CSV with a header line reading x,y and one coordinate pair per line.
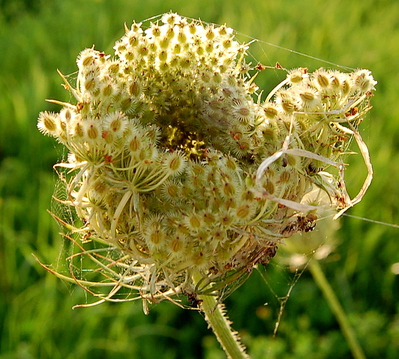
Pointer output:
x,y
295,76
209,46
307,96
181,37
171,191
156,31
177,245
227,43
177,49
133,40
210,34
194,222
164,43
244,211
163,55
322,79
66,115
135,88
363,80
92,131
192,28
345,87
77,130
135,144
174,162
48,123
270,111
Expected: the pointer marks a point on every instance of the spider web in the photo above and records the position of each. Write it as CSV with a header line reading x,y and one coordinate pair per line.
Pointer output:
x,y
267,54
291,266
72,260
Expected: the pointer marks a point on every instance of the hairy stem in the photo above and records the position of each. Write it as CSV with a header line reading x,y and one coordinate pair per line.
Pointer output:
x,y
216,317
337,309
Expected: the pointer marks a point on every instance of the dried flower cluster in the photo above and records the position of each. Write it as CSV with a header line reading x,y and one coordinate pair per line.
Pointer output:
x,y
175,160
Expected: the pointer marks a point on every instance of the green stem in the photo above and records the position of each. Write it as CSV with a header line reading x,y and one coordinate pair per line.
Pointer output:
x,y
220,324
337,309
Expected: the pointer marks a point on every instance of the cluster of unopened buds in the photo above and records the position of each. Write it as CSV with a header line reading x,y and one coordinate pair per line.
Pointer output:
x,y
175,161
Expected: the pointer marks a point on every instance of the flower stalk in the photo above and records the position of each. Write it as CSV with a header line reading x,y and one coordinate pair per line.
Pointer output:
x,y
216,318
221,326
335,305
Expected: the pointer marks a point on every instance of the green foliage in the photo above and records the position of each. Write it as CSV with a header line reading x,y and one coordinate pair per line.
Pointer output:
x,y
36,319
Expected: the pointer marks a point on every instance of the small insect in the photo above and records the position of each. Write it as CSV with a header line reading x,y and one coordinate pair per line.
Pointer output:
x,y
308,223
86,237
284,162
312,169
79,106
352,111
260,67
302,224
108,159
193,300
269,254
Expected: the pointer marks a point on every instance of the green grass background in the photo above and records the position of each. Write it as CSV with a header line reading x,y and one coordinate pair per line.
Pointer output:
x,y
36,319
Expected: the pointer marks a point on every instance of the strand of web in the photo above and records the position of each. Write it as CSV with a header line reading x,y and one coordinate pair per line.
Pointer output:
x,y
255,40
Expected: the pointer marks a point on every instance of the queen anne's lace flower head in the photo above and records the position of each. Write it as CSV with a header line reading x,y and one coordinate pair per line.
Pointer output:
x,y
176,164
